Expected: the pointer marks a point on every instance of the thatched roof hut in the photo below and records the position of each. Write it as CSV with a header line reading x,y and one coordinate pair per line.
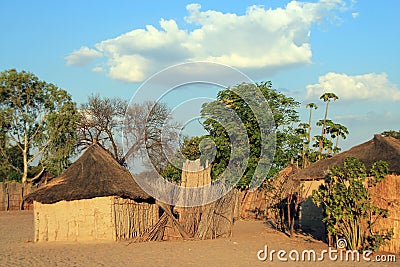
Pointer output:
x,y
378,148
386,194
94,174
95,198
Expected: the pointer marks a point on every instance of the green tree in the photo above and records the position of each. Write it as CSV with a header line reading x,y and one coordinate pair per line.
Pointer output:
x,y
338,131
348,207
39,118
308,154
7,171
311,106
323,145
335,132
302,132
327,144
288,143
327,97
192,148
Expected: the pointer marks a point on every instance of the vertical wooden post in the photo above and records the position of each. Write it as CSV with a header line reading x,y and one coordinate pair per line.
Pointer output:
x,y
7,198
21,204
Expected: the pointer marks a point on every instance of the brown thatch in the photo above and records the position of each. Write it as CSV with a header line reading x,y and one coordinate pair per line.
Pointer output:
x,y
95,174
379,148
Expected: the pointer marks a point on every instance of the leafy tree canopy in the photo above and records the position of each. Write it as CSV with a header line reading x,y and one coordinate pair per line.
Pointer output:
x,y
349,209
284,114
39,119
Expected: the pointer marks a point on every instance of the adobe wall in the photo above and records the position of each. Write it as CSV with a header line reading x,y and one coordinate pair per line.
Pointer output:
x,y
78,220
385,194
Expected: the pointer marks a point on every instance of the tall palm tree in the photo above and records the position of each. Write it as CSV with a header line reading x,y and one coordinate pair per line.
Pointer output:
x,y
303,134
311,106
327,97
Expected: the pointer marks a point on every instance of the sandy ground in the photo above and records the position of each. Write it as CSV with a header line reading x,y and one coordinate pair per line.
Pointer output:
x,y
17,249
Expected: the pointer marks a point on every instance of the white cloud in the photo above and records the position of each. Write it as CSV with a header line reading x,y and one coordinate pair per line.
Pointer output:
x,y
377,116
97,69
355,15
261,39
371,86
82,57
347,117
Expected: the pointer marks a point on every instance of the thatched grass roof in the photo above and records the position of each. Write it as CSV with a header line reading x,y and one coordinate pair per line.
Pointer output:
x,y
379,148
94,174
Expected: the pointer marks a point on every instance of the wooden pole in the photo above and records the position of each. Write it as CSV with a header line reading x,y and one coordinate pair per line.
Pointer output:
x,y
167,210
7,199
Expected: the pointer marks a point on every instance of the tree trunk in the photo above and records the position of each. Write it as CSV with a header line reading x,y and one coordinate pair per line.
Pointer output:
x,y
337,141
25,157
320,147
309,129
291,226
289,216
25,172
305,157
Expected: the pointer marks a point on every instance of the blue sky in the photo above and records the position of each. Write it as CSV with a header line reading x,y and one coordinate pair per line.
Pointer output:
x,y
107,47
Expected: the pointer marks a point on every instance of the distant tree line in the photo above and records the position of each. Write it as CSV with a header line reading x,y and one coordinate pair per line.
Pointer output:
x,y
42,129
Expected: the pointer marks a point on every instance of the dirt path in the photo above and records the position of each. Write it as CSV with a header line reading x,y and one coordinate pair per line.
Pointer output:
x,y
17,249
